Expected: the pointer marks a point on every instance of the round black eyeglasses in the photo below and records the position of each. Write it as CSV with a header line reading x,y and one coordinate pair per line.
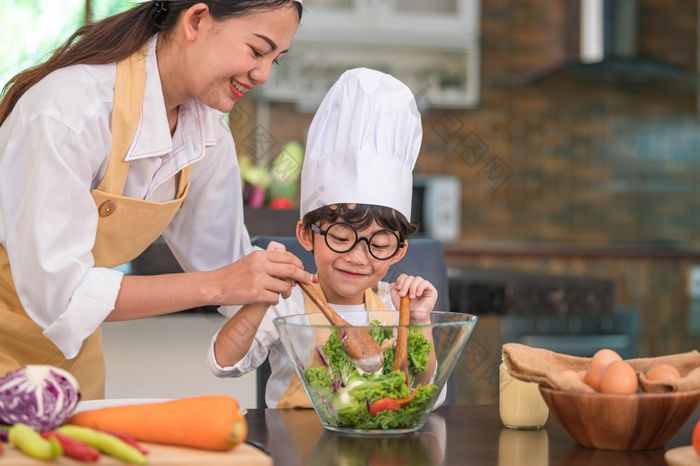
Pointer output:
x,y
342,237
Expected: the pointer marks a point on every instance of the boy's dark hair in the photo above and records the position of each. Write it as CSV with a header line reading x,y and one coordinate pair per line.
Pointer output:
x,y
361,216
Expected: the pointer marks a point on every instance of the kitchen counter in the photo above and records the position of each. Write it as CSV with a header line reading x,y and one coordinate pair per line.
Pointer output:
x,y
454,435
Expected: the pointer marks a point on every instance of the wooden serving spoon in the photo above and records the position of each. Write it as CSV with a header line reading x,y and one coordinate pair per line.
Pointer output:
x,y
401,354
364,352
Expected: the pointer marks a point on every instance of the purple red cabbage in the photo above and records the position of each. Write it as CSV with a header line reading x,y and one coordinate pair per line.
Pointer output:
x,y
337,383
37,395
322,355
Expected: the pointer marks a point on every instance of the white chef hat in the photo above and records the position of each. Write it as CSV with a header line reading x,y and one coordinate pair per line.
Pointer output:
x,y
362,144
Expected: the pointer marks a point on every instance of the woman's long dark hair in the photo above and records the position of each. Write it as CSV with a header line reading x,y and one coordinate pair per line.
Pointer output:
x,y
117,37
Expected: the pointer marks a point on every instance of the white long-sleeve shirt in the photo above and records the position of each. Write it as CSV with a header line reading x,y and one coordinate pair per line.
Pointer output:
x,y
54,149
267,341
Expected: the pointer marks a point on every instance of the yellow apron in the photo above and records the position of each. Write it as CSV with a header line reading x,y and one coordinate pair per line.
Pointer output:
x,y
126,227
295,396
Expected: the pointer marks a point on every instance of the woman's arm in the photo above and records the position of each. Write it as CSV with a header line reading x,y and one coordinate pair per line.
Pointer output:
x,y
260,277
48,221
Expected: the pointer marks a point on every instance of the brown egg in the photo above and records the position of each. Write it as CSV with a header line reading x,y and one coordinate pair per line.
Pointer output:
x,y
663,372
593,377
619,378
604,357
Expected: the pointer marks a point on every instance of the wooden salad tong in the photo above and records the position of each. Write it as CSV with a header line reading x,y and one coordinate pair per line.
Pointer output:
x,y
363,350
401,354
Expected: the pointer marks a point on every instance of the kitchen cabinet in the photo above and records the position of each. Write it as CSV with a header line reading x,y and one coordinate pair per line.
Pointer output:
x,y
433,47
165,357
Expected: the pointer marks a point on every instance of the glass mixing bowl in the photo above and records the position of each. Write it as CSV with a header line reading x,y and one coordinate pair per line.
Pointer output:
x,y
349,400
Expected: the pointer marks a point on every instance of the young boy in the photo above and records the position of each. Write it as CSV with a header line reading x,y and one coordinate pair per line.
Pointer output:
x,y
356,188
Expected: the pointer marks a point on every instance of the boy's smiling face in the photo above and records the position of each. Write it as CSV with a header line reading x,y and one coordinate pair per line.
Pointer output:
x,y
344,277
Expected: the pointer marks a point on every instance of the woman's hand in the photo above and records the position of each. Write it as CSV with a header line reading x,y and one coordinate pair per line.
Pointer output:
x,y
422,293
235,338
260,277
275,246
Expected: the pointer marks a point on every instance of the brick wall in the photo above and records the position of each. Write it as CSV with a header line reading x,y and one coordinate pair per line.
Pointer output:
x,y
668,30
550,155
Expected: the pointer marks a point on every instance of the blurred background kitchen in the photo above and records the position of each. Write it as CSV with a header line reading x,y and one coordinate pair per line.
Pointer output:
x,y
560,168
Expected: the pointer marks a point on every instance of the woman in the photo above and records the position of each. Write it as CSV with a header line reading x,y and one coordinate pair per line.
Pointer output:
x,y
116,139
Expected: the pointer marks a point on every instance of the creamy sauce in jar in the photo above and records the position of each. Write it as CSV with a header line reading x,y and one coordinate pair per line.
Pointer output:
x,y
520,404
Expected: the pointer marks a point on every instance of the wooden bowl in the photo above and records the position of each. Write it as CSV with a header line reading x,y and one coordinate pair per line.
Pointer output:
x,y
642,421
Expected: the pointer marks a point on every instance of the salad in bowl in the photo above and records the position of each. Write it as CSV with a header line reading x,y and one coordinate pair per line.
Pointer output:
x,y
395,398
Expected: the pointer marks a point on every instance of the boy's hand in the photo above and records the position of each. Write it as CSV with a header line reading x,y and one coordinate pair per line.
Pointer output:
x,y
422,293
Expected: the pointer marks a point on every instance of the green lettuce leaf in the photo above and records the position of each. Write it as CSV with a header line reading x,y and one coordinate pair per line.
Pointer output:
x,y
338,360
356,414
419,348
379,332
318,378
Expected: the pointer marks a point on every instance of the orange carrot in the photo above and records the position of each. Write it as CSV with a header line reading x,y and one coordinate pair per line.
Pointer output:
x,y
205,422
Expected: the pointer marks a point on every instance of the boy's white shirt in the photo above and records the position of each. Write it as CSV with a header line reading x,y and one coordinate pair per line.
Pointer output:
x,y
267,341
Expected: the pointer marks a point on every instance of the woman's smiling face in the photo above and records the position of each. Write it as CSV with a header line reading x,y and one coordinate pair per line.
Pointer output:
x,y
225,59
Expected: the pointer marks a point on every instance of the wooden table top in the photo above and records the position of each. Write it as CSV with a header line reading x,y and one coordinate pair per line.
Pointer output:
x,y
454,435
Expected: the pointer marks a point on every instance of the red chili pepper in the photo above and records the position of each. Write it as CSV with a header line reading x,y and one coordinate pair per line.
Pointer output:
x,y
128,440
383,404
2,448
73,448
390,404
